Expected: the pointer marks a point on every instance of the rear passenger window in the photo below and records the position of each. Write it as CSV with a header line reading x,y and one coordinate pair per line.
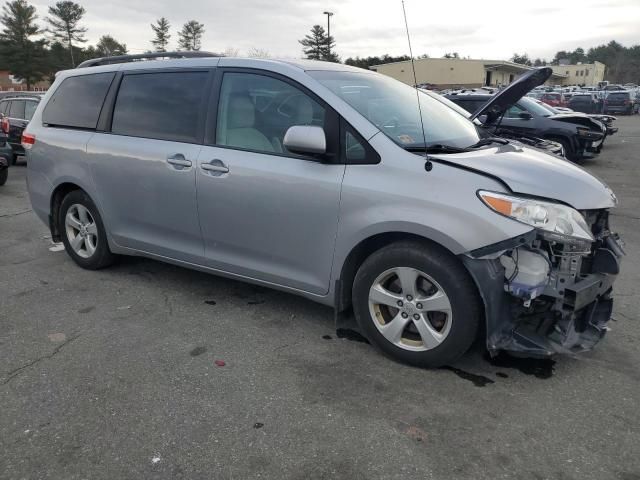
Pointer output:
x,y
163,106
17,109
77,101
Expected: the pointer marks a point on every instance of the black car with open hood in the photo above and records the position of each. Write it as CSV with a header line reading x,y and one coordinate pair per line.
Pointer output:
x,y
509,113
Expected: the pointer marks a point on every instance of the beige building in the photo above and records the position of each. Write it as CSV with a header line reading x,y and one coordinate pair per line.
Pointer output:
x,y
458,72
588,74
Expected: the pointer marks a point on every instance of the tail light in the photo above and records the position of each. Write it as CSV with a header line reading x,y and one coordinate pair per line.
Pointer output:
x,y
28,140
4,125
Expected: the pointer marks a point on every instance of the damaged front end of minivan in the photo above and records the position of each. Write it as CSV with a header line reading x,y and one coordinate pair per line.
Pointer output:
x,y
547,291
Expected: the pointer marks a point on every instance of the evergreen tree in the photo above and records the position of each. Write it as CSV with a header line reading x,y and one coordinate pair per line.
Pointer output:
x,y
64,21
26,59
161,32
316,45
191,35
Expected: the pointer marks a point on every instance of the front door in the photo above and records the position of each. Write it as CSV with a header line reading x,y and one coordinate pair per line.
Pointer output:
x,y
266,213
145,168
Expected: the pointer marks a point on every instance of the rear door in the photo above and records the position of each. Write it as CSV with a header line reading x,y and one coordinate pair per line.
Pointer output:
x,y
144,164
266,213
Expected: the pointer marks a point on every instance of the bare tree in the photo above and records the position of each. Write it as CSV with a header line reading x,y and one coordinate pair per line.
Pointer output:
x,y
258,53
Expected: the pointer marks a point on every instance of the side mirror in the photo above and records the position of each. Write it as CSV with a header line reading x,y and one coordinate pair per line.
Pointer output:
x,y
305,139
525,115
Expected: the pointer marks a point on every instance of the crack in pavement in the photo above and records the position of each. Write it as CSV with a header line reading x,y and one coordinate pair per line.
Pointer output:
x,y
15,214
15,372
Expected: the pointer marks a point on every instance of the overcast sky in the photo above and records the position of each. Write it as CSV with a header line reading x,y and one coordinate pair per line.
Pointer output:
x,y
480,29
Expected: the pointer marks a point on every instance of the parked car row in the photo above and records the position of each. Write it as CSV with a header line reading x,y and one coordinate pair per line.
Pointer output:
x,y
612,100
15,114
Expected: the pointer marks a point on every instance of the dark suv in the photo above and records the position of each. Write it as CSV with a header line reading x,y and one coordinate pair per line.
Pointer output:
x,y
623,101
16,113
586,102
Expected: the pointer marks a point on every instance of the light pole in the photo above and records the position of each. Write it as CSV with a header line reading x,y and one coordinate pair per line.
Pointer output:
x,y
329,15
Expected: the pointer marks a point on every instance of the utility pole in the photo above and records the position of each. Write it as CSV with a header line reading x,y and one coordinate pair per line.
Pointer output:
x,y
329,15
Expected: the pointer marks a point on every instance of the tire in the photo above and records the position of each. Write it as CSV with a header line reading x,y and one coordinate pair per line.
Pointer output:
x,y
4,174
569,153
91,251
451,325
14,159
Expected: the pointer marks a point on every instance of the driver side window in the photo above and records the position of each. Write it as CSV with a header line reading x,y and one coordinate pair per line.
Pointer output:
x,y
514,112
255,111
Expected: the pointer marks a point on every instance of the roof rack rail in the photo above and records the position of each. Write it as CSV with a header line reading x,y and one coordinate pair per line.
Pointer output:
x,y
145,56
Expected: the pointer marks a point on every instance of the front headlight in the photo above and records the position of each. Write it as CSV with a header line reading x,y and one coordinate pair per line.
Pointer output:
x,y
556,220
588,133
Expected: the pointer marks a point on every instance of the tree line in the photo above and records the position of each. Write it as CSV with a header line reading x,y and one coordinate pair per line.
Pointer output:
x,y
623,63
32,51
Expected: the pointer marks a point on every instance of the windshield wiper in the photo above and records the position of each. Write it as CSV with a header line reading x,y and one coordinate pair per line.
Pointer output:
x,y
488,141
437,148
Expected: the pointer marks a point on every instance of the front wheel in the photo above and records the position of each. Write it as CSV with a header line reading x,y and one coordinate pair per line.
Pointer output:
x,y
83,233
417,303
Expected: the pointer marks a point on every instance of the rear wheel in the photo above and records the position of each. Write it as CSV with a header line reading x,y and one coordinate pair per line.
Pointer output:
x,y
83,233
4,174
14,159
417,303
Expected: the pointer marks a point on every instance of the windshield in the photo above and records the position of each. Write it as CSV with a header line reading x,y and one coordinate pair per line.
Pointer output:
x,y
536,108
392,107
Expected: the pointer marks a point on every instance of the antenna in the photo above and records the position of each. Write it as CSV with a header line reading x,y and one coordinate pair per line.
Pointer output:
x,y
415,83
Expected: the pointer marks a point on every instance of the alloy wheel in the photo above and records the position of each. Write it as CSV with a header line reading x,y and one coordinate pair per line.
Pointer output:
x,y
82,231
410,309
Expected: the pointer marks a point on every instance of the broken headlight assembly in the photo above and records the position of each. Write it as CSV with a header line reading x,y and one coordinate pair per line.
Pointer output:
x,y
555,221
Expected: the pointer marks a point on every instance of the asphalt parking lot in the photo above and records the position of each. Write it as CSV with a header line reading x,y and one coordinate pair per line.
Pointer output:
x,y
147,370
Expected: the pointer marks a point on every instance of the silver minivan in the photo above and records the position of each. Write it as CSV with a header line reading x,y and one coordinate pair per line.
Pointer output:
x,y
333,183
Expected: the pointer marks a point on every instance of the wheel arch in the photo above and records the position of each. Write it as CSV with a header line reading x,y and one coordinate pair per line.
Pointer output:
x,y
58,194
357,255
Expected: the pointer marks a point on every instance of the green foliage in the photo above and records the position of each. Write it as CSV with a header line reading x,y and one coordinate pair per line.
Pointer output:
x,y
367,62
64,23
22,56
162,36
190,37
108,46
623,63
521,59
451,55
318,46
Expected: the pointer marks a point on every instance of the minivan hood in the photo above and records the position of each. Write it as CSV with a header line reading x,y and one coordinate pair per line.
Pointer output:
x,y
531,172
506,98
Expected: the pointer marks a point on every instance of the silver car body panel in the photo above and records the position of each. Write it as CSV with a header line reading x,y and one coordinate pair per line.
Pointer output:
x,y
289,224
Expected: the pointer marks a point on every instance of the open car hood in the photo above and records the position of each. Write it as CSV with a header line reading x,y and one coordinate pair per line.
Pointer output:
x,y
505,99
534,173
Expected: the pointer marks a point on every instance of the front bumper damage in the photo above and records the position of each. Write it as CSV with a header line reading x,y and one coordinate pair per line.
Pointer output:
x,y
568,312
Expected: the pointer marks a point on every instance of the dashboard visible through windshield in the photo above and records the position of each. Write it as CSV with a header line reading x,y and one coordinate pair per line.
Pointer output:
x,y
393,108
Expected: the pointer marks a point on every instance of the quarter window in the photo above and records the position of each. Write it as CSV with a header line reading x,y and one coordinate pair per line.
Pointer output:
x,y
77,101
255,112
163,106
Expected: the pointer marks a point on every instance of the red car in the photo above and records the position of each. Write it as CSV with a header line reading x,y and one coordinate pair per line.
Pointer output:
x,y
554,99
